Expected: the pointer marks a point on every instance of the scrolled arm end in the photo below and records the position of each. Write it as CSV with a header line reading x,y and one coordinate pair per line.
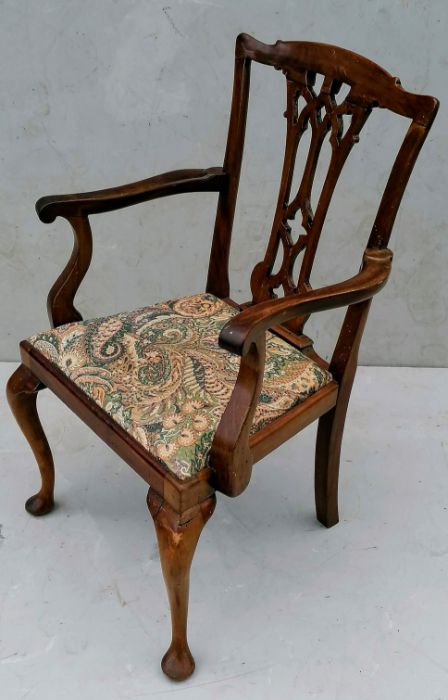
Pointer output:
x,y
46,208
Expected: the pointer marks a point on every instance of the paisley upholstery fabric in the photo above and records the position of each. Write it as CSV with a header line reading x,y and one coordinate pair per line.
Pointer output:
x,y
160,373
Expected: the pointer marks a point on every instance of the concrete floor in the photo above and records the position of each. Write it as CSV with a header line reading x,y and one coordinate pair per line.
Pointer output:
x,y
279,606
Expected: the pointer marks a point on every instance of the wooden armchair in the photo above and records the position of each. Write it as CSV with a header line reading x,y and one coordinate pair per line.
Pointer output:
x,y
192,392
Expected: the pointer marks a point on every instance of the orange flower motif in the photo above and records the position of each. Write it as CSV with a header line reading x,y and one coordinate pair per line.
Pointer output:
x,y
171,420
197,306
98,394
70,361
200,422
186,437
191,406
165,451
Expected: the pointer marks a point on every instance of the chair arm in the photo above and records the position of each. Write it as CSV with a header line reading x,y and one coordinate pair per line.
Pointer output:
x,y
174,182
231,457
243,330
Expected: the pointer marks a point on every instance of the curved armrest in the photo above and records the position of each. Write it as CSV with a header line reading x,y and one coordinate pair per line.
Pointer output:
x,y
174,182
243,330
77,207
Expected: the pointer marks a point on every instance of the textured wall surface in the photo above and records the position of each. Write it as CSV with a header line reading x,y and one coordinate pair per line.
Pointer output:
x,y
95,94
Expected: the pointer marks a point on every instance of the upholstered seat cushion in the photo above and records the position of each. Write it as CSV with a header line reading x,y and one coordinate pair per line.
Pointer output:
x,y
160,373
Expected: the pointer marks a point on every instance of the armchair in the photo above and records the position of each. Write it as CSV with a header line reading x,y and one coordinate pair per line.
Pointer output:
x,y
192,392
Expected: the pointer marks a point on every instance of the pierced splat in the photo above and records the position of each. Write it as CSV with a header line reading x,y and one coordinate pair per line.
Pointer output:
x,y
340,123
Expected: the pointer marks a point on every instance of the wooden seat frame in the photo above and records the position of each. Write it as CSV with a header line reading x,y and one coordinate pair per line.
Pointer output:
x,y
181,508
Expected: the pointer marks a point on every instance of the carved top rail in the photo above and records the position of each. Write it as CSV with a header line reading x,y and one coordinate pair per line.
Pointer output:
x,y
371,84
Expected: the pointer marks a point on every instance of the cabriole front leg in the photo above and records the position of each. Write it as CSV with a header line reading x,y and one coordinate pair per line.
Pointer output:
x,y
21,391
178,535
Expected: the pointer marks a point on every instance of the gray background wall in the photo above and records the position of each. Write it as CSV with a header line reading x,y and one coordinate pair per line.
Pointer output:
x,y
100,93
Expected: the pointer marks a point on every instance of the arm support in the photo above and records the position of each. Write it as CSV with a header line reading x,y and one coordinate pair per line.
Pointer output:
x,y
76,209
243,330
245,334
174,182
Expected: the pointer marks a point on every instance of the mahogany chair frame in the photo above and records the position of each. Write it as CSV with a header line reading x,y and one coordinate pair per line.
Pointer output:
x,y
181,508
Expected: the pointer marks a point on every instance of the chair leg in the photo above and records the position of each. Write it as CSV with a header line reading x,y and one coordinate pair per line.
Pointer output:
x,y
326,479
22,390
178,536
331,425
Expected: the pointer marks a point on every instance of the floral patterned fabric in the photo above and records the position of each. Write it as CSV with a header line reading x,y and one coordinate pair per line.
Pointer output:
x,y
160,373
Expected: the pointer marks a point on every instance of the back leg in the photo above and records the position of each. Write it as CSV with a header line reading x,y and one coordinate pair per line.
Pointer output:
x,y
22,391
331,425
328,452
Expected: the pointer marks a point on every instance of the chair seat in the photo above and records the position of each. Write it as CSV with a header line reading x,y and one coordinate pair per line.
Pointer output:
x,y
160,373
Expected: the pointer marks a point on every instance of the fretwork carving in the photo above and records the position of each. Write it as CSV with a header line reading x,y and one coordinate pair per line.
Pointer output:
x,y
341,123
